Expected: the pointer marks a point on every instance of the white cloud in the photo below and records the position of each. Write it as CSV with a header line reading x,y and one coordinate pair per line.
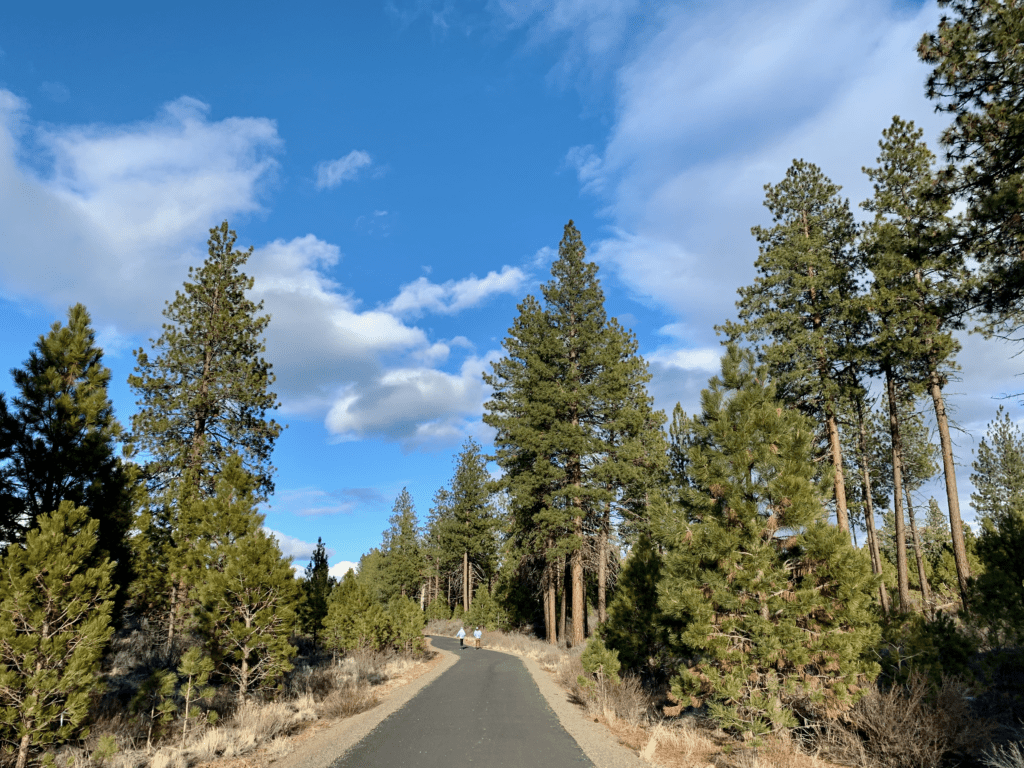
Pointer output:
x,y
331,173
417,405
706,360
121,205
292,547
421,295
339,569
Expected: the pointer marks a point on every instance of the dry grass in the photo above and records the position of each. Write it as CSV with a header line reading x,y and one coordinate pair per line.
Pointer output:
x,y
1008,756
910,727
312,692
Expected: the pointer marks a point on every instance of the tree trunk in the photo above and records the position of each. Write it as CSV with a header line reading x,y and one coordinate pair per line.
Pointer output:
x,y
902,576
956,526
842,518
563,588
925,594
869,508
170,616
550,612
578,589
602,566
465,581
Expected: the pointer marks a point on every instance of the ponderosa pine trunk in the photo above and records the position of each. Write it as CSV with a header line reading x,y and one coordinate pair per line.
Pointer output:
x,y
925,592
842,516
563,587
602,566
465,581
869,508
550,603
902,574
956,525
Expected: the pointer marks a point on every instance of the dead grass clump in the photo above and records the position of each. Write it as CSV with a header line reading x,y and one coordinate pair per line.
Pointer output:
x,y
1007,756
626,700
907,727
169,757
258,723
348,700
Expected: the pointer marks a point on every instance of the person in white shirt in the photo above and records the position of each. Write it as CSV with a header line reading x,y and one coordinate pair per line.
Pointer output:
x,y
477,634
462,637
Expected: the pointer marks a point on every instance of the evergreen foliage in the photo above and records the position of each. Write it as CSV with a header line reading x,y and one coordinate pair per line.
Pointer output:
x,y
775,605
316,587
471,520
402,563
802,312
600,661
636,627
562,404
352,616
978,79
485,611
204,397
55,612
195,670
61,437
403,625
438,610
998,478
247,612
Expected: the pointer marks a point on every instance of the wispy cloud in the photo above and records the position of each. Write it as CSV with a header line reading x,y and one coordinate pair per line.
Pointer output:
x,y
331,173
422,296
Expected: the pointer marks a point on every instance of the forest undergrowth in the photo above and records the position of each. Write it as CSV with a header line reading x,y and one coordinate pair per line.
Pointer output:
x,y
321,687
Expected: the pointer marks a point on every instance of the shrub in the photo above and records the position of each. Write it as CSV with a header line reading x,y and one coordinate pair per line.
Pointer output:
x,y
439,610
485,611
597,659
911,726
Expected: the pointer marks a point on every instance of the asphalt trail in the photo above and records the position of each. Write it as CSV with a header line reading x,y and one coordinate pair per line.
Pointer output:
x,y
485,710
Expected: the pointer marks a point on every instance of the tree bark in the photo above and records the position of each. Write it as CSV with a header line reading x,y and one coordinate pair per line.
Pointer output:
x,y
602,566
956,525
465,581
842,517
925,592
563,589
578,588
23,751
550,613
869,507
902,576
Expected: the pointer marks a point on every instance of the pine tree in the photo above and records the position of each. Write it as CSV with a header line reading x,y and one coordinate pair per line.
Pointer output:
x,y
978,78
203,398
999,481
62,437
775,604
354,617
54,626
917,294
800,311
471,529
561,402
247,612
316,587
636,627
402,563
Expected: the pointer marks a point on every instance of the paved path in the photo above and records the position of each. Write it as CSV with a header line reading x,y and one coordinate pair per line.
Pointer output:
x,y
485,710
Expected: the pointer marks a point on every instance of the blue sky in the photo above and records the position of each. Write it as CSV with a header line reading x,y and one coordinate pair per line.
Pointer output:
x,y
404,170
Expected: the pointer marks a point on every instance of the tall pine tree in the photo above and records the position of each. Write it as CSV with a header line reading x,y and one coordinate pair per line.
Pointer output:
x,y
402,564
917,295
800,310
559,402
63,438
775,604
203,397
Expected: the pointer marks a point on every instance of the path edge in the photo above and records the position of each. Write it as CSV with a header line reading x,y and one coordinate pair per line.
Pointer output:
x,y
596,741
330,744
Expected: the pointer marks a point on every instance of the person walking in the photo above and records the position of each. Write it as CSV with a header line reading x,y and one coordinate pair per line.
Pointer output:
x,y
462,637
477,634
